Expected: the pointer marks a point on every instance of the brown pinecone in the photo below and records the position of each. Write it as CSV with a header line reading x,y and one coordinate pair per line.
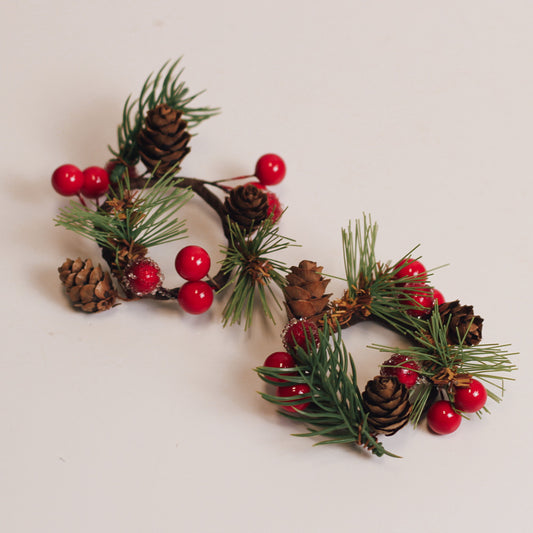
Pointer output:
x,y
89,288
247,206
463,325
163,140
387,402
304,292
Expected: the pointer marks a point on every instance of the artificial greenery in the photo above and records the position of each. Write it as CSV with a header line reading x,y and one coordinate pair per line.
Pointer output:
x,y
164,87
131,218
489,363
252,271
336,414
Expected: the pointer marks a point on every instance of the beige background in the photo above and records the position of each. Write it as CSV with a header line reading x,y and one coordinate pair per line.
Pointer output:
x,y
145,420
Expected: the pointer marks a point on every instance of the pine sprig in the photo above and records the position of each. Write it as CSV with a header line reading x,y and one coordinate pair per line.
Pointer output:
x,y
489,363
336,414
164,87
252,271
144,218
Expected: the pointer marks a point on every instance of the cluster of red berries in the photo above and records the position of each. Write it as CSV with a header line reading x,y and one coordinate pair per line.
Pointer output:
x,y
296,333
443,416
420,297
192,263
69,180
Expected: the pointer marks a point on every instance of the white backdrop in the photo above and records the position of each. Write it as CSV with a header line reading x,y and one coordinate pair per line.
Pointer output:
x,y
145,420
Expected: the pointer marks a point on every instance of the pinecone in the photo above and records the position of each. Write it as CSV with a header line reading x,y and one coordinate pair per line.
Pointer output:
x,y
163,140
463,325
247,206
387,402
89,288
304,292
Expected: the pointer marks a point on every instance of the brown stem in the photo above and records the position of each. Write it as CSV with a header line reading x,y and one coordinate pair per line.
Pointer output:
x,y
199,187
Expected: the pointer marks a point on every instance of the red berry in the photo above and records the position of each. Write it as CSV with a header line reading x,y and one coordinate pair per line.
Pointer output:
x,y
192,263
195,297
472,398
412,269
143,277
442,419
67,180
401,367
270,169
420,299
299,333
438,297
280,360
96,182
294,390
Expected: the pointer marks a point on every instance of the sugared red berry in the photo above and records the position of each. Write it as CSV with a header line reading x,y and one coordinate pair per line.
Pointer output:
x,y
442,419
270,169
67,180
299,333
472,398
438,298
143,277
195,297
95,183
280,360
299,389
419,299
411,269
192,263
401,367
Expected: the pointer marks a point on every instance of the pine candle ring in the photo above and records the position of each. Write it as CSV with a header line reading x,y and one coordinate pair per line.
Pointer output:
x,y
126,213
316,378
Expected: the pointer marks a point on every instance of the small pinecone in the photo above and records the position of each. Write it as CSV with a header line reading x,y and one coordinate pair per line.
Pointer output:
x,y
163,140
89,288
247,206
463,323
387,402
304,292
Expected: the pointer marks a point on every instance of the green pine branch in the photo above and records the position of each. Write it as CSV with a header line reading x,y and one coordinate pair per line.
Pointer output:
x,y
164,87
252,271
336,414
489,363
146,218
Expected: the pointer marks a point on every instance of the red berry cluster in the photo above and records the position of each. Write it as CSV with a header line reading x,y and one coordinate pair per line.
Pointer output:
x,y
270,169
192,264
296,333
69,180
420,297
444,417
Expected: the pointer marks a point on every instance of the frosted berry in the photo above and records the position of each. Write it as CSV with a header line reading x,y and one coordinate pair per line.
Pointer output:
x,y
67,180
270,169
412,269
472,398
420,301
95,183
442,419
195,297
280,360
299,333
143,277
401,367
192,263
438,298
294,390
